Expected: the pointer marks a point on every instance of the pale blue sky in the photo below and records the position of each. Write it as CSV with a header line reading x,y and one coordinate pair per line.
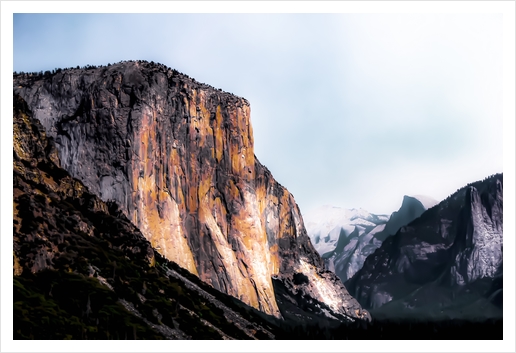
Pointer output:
x,y
346,108
353,110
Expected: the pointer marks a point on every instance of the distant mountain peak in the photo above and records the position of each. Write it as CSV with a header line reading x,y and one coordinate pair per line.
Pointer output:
x,y
345,237
426,201
326,222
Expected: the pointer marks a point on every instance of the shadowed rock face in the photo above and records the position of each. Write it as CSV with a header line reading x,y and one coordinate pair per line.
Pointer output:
x,y
411,208
447,261
177,157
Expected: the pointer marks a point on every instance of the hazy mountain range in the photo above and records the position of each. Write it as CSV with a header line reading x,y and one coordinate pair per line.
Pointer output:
x,y
141,211
446,263
428,259
345,238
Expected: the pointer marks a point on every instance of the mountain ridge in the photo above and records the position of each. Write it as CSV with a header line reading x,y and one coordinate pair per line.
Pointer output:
x,y
177,157
83,271
355,234
442,262
325,223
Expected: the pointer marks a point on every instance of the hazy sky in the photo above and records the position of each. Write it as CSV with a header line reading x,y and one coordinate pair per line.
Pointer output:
x,y
353,110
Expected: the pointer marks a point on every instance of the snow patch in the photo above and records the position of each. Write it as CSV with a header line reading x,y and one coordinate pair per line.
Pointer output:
x,y
325,225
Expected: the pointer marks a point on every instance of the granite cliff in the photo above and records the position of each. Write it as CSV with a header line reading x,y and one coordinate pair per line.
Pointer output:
x,y
411,208
82,270
448,263
176,157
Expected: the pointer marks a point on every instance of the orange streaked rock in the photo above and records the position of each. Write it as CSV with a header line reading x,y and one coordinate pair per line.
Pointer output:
x,y
178,157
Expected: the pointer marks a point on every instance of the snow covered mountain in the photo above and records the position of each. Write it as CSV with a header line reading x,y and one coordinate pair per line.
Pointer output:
x,y
326,224
345,238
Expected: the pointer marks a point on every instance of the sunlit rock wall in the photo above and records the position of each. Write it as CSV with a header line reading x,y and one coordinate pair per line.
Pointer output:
x,y
177,156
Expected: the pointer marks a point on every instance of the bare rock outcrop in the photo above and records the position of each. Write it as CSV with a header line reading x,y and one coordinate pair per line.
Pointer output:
x,y
446,263
177,156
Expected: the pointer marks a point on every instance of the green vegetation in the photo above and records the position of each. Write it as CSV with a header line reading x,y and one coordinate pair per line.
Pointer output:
x,y
60,305
78,259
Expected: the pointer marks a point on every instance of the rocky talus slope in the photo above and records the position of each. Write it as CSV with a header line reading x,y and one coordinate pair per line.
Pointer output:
x,y
177,158
446,263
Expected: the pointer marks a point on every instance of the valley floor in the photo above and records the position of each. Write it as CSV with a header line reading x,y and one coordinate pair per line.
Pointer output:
x,y
405,330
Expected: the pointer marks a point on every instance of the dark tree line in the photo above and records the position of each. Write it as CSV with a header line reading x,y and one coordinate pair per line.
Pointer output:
x,y
396,330
146,64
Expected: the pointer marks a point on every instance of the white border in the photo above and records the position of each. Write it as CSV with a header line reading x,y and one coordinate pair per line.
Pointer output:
x,y
507,8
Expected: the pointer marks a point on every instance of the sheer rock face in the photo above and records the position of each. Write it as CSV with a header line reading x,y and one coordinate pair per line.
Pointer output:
x,y
76,257
177,156
47,203
478,253
446,259
411,208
